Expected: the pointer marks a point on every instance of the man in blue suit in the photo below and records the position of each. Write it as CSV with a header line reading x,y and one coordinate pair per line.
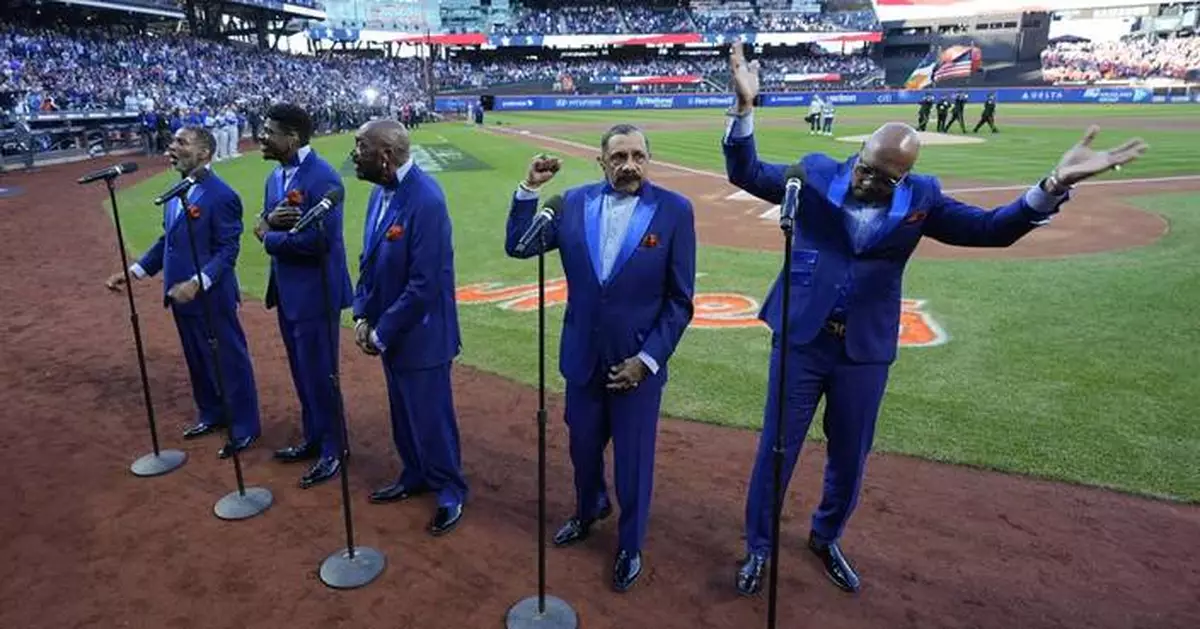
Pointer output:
x,y
296,277
216,214
858,223
405,311
628,249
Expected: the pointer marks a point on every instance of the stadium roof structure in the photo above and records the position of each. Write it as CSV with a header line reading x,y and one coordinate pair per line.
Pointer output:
x,y
900,10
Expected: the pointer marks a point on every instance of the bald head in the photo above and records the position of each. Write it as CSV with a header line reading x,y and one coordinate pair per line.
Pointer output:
x,y
387,134
886,158
380,147
894,142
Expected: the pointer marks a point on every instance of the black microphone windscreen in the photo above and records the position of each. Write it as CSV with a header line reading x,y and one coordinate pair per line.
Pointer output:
x,y
129,167
797,171
335,195
555,203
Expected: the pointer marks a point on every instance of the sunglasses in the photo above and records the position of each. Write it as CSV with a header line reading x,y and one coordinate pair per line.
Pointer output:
x,y
874,174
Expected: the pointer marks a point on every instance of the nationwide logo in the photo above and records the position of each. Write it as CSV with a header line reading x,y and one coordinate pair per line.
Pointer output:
x,y
655,102
713,311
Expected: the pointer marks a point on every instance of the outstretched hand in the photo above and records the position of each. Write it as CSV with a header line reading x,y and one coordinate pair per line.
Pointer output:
x,y
744,77
1083,162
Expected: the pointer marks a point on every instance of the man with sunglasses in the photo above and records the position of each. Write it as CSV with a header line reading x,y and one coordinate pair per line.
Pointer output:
x,y
858,223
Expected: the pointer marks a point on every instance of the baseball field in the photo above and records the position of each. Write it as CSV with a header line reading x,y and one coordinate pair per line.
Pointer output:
x,y
1036,453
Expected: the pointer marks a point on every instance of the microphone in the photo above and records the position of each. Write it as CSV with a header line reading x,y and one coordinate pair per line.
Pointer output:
x,y
108,173
794,176
318,211
182,187
543,218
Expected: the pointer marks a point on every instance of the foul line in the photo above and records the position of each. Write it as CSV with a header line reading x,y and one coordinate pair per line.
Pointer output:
x,y
1011,188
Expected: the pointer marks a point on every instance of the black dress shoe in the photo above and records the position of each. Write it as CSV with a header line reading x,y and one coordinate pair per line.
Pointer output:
x,y
445,519
396,492
626,570
576,529
837,567
750,575
238,444
303,452
324,469
199,430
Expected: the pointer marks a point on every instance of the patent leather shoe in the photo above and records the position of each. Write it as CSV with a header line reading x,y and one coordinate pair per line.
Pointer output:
x,y
197,430
626,569
237,444
577,529
395,492
837,566
324,469
445,519
303,452
750,575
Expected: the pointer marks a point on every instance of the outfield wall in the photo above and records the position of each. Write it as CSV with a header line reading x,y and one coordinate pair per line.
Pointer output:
x,y
1097,95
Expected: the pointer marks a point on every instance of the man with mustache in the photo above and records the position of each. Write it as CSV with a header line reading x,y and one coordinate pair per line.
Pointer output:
x,y
405,312
858,224
215,211
628,249
294,283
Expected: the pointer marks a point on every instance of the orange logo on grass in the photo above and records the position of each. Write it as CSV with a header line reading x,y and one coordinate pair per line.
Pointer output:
x,y
726,311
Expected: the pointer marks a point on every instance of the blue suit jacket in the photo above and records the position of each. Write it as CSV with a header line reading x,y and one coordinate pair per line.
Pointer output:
x,y
217,232
406,286
294,282
646,302
824,256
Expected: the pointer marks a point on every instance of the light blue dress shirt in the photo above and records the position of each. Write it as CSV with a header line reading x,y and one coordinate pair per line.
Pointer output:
x,y
615,213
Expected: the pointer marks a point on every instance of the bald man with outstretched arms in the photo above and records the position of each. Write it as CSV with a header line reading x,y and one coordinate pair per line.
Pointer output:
x,y
858,223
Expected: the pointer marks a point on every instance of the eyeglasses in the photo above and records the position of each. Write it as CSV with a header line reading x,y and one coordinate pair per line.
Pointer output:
x,y
874,174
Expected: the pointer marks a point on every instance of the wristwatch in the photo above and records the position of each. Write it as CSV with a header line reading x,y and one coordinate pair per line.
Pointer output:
x,y
1054,186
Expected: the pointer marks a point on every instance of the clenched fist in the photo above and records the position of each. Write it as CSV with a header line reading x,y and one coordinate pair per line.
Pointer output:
x,y
542,169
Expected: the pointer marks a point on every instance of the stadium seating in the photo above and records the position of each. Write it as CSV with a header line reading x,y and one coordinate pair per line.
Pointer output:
x,y
1139,58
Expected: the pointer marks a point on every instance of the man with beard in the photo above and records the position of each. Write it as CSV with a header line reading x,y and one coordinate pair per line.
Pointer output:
x,y
295,282
858,224
628,250
215,211
405,312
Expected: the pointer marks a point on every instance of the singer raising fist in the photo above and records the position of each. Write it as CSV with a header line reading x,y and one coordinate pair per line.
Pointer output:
x,y
858,222
628,248
294,286
215,213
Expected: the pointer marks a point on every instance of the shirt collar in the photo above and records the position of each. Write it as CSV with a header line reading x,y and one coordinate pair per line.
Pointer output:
x,y
401,173
301,155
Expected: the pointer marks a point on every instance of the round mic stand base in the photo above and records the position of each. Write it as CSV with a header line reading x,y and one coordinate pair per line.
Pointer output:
x,y
243,506
557,615
343,572
158,464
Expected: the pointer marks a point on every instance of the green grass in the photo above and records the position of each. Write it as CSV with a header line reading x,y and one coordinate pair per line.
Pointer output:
x,y
1081,370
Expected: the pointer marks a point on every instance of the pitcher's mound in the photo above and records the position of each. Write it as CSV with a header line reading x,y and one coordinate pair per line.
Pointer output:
x,y
927,138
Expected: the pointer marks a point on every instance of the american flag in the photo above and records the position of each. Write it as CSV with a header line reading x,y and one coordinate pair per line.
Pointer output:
x,y
960,66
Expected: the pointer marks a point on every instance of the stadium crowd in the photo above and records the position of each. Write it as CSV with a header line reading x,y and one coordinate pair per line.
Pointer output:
x,y
1130,59
713,16
470,74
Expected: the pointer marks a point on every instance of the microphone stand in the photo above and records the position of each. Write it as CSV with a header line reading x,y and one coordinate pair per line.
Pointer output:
x,y
243,503
542,611
158,462
349,567
785,224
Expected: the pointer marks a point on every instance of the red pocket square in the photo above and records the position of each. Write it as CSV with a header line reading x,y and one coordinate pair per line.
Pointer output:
x,y
295,197
193,211
395,232
916,217
650,241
